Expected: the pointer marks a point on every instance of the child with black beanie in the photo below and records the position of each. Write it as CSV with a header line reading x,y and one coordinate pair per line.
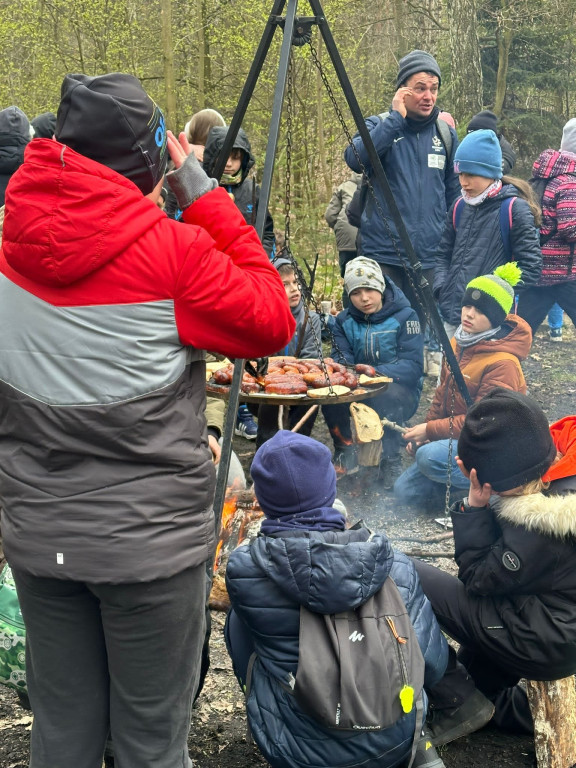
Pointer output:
x,y
512,606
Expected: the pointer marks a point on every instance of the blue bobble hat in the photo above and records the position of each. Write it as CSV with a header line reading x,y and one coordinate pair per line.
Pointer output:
x,y
479,153
112,120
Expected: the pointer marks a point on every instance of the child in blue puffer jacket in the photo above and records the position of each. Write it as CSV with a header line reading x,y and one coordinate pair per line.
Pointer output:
x,y
304,555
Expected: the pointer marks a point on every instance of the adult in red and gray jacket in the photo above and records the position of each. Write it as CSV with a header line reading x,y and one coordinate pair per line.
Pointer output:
x,y
557,233
106,478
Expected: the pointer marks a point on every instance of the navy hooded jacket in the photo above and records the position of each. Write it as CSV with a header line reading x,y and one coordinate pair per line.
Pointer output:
x,y
326,572
390,340
421,178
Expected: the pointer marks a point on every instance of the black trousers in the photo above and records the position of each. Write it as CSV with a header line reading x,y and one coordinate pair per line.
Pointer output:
x,y
536,301
486,659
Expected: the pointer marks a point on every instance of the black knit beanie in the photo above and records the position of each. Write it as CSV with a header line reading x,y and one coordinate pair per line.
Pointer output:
x,y
417,61
112,120
506,439
484,119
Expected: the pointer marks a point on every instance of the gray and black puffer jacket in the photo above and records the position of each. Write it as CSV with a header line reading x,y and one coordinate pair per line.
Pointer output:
x,y
246,194
327,572
476,248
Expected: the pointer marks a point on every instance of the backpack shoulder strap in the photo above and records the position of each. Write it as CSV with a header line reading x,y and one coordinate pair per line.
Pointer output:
x,y
506,225
457,213
444,130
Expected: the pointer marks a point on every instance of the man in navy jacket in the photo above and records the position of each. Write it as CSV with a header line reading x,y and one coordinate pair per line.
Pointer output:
x,y
417,153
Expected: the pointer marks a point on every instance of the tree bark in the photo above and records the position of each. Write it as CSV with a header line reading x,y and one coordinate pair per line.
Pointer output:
x,y
168,62
553,707
504,38
466,79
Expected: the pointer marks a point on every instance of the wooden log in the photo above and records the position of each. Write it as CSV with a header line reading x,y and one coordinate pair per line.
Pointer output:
x,y
367,433
553,707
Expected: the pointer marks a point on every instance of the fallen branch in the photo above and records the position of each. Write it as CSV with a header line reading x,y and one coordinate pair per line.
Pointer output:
x,y
426,539
425,553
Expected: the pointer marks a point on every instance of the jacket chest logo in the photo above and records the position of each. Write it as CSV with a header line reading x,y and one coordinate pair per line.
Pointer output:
x,y
437,144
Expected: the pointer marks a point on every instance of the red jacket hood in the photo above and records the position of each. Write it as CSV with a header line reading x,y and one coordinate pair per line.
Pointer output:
x,y
58,198
564,435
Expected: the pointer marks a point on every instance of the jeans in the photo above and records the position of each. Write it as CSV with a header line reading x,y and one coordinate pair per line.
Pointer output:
x,y
426,479
555,317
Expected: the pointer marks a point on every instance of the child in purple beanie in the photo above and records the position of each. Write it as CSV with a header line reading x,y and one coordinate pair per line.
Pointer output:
x,y
305,556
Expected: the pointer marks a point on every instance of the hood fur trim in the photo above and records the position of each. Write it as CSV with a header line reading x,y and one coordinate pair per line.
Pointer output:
x,y
549,515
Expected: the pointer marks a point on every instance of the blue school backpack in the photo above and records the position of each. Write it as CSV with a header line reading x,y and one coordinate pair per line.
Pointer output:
x,y
505,221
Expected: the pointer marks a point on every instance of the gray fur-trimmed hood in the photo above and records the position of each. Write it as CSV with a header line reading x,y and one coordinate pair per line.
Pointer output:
x,y
549,515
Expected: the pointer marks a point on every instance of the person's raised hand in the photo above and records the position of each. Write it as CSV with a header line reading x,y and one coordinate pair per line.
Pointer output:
x,y
478,495
398,102
416,434
179,148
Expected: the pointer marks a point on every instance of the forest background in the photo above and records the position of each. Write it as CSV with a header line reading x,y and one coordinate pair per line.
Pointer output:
x,y
516,57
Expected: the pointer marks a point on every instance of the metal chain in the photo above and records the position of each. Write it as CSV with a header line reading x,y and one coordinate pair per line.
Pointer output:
x,y
288,185
450,448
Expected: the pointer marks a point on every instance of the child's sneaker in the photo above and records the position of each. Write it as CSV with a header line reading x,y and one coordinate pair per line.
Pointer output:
x,y
555,334
245,424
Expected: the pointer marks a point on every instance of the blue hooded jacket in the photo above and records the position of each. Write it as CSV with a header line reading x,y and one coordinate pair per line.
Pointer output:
x,y
421,178
327,572
390,340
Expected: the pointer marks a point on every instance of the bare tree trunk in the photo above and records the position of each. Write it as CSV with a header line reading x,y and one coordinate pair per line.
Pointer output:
x,y
201,36
504,38
168,62
553,707
466,80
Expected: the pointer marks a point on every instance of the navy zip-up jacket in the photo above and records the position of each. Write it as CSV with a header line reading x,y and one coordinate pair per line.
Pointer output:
x,y
421,178
390,340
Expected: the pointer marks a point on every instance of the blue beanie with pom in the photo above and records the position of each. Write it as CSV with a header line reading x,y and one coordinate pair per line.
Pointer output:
x,y
479,154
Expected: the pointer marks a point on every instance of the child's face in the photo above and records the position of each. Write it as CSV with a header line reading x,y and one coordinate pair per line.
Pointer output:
x,y
234,162
474,185
474,321
367,300
292,288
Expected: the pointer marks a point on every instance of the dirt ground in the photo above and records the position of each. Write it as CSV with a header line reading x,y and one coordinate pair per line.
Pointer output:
x,y
218,736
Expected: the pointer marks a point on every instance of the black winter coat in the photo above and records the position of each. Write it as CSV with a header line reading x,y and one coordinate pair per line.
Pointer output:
x,y
519,559
477,249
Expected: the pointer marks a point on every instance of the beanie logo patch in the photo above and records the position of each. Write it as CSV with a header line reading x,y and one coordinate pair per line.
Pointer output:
x,y
511,561
456,166
476,294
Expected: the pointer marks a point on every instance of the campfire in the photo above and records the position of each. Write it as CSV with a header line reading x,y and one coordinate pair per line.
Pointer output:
x,y
241,518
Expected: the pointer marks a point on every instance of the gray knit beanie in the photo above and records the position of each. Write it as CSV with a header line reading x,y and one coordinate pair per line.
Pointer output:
x,y
417,61
363,273
569,137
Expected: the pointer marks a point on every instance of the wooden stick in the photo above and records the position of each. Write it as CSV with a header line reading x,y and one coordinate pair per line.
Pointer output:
x,y
305,418
392,425
280,417
425,553
426,539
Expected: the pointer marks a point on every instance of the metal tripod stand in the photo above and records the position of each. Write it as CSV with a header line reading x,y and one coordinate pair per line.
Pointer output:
x,y
295,31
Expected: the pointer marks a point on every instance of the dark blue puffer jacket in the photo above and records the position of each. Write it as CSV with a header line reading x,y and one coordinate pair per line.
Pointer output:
x,y
326,572
477,249
421,178
390,340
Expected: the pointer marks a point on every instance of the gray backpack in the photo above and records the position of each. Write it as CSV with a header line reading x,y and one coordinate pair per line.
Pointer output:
x,y
362,669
